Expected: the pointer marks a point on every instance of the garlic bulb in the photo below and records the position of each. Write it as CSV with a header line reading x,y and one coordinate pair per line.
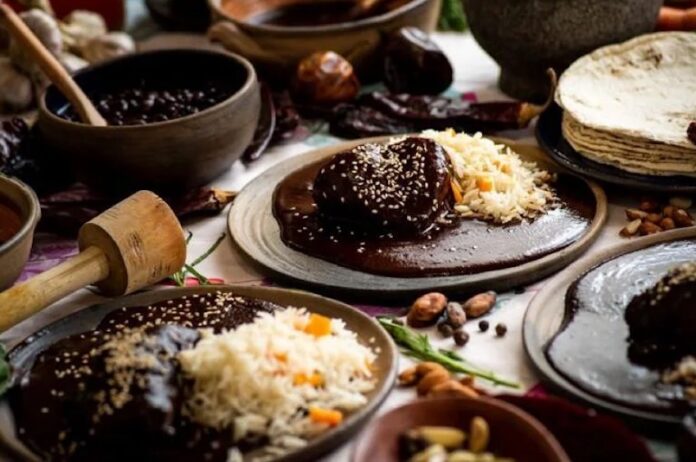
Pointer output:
x,y
108,46
81,26
46,29
16,89
71,62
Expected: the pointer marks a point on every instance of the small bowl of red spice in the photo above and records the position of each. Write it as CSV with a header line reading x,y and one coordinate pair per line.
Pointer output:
x,y
19,214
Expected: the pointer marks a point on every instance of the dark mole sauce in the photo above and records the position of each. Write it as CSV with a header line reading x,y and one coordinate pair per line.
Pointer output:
x,y
463,247
61,404
10,222
592,347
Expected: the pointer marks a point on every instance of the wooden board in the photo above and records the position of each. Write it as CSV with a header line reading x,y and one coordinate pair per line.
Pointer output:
x,y
256,233
545,316
368,330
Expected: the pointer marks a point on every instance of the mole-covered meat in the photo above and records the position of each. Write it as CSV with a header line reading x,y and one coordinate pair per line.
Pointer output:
x,y
400,186
662,320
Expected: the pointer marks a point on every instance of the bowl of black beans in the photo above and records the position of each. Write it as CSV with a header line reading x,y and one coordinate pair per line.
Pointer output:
x,y
176,119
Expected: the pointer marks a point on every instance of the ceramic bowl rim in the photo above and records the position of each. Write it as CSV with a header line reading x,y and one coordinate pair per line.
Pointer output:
x,y
248,86
30,222
216,6
524,417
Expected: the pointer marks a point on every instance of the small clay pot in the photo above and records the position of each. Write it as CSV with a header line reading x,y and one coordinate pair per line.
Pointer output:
x,y
15,252
526,37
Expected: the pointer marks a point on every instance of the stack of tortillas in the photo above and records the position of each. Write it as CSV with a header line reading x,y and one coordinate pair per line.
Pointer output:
x,y
630,105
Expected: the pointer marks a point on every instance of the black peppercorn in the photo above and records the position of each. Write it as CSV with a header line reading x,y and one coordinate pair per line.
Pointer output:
x,y
500,330
461,337
483,326
445,329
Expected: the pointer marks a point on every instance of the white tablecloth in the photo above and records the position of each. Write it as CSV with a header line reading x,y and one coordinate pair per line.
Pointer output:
x,y
475,72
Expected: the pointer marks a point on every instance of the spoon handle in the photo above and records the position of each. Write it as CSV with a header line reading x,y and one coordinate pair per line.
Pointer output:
x,y
51,67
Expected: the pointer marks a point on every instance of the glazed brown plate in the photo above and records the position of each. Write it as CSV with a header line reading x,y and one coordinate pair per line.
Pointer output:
x,y
472,255
514,433
584,351
23,355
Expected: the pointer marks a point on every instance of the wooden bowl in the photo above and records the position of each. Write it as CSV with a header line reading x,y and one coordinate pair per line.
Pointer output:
x,y
174,155
275,50
15,252
514,433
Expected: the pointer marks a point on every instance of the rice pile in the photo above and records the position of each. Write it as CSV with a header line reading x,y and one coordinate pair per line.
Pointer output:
x,y
267,378
491,182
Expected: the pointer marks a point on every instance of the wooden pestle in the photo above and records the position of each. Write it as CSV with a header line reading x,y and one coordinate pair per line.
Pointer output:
x,y
54,70
137,242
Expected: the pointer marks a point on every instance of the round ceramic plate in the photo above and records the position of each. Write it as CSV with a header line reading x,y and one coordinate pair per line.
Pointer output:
x,y
255,231
368,331
550,137
545,316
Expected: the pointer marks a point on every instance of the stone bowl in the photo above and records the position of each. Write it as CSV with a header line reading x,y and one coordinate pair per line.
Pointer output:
x,y
526,37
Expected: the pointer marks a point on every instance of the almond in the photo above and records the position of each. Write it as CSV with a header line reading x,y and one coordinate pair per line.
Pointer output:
x,y
654,218
634,214
430,380
648,205
682,218
647,228
426,309
480,304
452,389
667,224
631,229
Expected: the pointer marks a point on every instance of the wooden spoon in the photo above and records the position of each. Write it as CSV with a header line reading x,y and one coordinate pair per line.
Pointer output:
x,y
51,67
136,243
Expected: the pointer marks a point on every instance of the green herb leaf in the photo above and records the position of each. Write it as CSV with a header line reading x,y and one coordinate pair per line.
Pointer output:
x,y
5,370
452,17
417,346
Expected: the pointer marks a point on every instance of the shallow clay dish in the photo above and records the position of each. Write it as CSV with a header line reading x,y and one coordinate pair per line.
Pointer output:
x,y
514,433
15,252
22,356
585,353
550,137
256,231
276,50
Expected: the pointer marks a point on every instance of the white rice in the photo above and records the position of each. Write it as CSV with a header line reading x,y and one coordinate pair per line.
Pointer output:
x,y
244,379
519,189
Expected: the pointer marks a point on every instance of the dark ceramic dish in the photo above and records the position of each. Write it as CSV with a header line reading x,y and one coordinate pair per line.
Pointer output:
x,y
177,154
526,37
23,355
550,137
514,433
584,351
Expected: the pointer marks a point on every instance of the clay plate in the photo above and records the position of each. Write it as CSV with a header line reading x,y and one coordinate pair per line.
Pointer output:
x,y
22,356
550,138
514,433
586,357
255,231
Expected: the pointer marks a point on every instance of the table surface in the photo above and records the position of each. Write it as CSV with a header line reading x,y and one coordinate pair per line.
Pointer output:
x,y
475,73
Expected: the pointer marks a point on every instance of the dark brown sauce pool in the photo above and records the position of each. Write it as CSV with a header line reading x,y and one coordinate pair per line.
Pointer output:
x,y
465,247
10,222
54,406
317,13
591,348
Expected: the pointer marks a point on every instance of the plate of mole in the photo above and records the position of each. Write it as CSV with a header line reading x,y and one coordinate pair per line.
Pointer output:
x,y
591,334
58,376
270,215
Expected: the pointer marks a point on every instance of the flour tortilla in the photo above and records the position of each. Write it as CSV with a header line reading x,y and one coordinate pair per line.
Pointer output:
x,y
629,105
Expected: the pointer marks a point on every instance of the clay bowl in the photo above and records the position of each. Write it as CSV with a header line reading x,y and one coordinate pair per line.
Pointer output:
x,y
174,155
15,252
514,433
275,50
526,37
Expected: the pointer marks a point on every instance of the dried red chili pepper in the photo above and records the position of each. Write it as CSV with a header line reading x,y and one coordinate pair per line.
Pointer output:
x,y
354,121
265,128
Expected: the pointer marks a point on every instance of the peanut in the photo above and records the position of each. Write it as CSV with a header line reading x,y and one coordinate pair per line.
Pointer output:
x,y
430,380
647,228
667,224
479,435
426,309
634,214
631,228
408,377
452,389
682,218
480,304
